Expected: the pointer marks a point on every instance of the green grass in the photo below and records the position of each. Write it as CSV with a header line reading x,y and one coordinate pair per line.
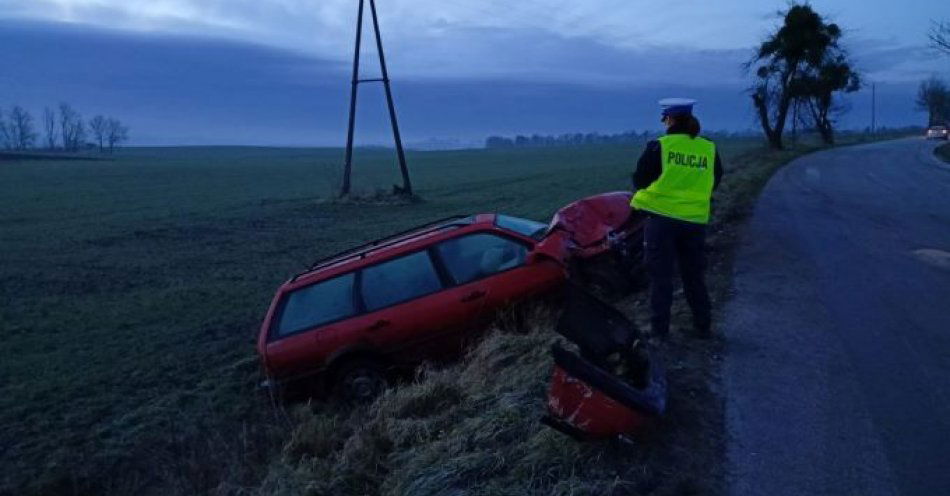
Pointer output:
x,y
132,290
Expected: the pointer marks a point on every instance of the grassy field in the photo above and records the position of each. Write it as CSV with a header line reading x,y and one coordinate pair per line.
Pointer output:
x,y
132,290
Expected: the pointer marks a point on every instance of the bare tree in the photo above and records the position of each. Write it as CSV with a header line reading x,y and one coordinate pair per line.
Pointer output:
x,y
79,134
49,125
933,97
71,127
6,140
100,130
940,36
116,133
21,127
66,117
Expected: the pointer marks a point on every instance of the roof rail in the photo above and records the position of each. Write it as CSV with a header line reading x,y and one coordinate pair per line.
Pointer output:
x,y
361,250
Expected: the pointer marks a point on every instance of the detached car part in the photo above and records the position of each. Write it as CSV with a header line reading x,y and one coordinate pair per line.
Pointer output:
x,y
613,387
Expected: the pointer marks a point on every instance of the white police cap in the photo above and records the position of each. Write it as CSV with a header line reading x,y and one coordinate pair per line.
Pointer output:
x,y
677,106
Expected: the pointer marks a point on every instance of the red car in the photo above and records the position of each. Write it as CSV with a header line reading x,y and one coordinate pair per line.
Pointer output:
x,y
418,295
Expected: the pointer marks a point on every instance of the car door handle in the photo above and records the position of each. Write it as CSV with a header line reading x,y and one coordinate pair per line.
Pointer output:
x,y
474,295
378,325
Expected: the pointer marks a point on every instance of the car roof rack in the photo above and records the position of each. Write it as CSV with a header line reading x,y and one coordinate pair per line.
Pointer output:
x,y
362,250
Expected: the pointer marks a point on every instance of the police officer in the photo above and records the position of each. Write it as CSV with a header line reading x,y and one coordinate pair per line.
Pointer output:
x,y
674,181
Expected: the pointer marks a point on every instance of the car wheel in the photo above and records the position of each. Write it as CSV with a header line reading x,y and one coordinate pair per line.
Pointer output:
x,y
360,381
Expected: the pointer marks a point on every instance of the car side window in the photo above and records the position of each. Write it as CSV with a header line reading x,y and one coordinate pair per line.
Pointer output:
x,y
315,305
480,255
399,280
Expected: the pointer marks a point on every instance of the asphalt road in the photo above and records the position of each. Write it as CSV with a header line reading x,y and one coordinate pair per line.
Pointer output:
x,y
837,370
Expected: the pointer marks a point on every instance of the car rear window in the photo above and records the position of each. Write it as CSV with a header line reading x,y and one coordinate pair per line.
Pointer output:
x,y
399,280
480,255
525,227
316,305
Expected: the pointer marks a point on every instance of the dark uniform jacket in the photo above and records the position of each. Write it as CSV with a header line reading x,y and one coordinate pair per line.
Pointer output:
x,y
650,164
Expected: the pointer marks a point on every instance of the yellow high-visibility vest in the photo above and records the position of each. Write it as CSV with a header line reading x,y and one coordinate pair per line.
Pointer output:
x,y
685,185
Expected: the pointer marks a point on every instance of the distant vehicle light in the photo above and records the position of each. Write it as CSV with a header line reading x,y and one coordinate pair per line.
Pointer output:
x,y
938,132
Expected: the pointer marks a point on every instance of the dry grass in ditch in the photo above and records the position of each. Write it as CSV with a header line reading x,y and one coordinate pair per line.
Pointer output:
x,y
471,428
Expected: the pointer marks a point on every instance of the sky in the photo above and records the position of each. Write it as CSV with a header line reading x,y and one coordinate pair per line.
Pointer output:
x,y
277,72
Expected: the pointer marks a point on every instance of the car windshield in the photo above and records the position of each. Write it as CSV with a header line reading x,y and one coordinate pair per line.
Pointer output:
x,y
525,227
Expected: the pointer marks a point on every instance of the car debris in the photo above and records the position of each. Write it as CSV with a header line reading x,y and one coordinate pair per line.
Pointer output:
x,y
613,387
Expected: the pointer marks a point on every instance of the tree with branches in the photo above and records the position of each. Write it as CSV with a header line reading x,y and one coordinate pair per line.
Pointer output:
x,y
940,36
49,126
72,128
116,133
802,63
933,97
20,131
5,138
100,129
816,88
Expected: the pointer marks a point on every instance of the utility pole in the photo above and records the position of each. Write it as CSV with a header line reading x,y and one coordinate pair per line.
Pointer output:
x,y
348,164
873,108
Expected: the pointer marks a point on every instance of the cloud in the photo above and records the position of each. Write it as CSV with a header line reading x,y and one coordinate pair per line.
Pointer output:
x,y
188,90
534,55
894,62
194,90
172,89
594,42
325,26
276,71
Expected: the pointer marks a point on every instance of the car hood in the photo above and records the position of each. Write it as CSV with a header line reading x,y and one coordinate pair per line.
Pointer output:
x,y
592,220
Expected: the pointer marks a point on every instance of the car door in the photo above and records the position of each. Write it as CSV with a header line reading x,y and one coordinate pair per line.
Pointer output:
x,y
405,307
494,269
305,318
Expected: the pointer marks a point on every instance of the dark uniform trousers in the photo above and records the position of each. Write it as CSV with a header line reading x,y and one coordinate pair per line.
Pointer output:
x,y
666,239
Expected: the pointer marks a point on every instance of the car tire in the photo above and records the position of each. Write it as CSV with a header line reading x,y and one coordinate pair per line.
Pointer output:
x,y
359,381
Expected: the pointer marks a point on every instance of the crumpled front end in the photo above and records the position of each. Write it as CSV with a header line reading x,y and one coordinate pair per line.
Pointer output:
x,y
603,241
598,223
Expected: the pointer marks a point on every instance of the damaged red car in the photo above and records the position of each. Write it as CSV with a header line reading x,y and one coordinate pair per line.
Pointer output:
x,y
353,317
